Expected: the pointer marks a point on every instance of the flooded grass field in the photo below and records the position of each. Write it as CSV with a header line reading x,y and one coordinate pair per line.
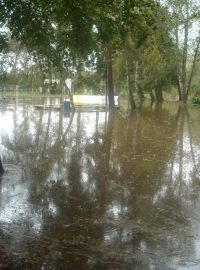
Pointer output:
x,y
98,190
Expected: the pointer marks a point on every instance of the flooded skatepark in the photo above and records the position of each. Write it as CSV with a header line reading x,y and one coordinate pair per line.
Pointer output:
x,y
99,190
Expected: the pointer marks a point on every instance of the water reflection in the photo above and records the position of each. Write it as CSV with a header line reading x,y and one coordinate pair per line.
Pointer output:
x,y
99,190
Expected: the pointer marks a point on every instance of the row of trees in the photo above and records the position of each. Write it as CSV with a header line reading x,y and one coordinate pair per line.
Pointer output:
x,y
138,45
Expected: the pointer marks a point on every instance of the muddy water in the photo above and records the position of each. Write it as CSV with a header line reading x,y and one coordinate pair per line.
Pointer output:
x,y
99,190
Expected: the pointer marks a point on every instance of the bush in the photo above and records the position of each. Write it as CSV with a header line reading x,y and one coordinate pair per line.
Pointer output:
x,y
196,100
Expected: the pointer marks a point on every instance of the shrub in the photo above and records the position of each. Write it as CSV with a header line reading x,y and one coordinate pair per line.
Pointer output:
x,y
196,100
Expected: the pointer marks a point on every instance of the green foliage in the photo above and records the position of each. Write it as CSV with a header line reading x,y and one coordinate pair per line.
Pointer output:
x,y
65,37
158,68
159,58
196,79
63,25
196,101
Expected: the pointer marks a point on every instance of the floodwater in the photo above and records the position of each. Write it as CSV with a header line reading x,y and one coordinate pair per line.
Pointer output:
x,y
98,190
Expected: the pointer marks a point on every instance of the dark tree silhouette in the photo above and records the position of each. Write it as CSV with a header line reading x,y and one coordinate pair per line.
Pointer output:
x,y
1,167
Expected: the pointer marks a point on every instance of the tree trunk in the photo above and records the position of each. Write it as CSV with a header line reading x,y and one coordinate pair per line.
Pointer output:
x,y
71,99
43,76
193,67
179,80
182,73
69,91
130,87
137,81
184,63
159,95
1,167
109,69
152,96
179,86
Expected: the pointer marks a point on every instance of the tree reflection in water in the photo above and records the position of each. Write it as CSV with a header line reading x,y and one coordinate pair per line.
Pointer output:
x,y
101,190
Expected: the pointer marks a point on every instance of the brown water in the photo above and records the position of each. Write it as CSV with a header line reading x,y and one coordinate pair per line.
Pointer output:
x,y
99,190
